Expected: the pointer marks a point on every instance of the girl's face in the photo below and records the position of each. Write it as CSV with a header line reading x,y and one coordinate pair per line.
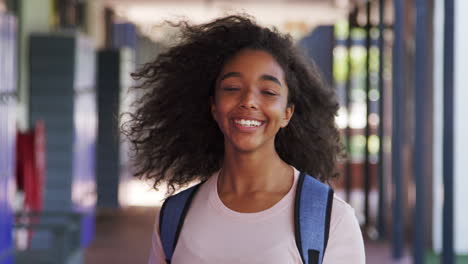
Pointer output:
x,y
251,101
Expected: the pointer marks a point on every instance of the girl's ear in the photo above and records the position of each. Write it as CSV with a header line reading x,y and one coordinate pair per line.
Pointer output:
x,y
288,115
213,107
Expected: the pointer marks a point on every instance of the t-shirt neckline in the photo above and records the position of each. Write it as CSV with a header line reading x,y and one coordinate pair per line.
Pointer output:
x,y
220,207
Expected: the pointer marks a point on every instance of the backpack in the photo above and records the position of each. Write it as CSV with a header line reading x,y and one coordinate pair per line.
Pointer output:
x,y
312,211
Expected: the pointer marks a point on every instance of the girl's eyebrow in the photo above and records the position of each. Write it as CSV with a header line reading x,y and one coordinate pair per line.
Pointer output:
x,y
272,78
230,74
265,77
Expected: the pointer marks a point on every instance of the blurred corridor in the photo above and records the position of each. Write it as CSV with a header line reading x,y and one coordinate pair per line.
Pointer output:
x,y
399,68
123,237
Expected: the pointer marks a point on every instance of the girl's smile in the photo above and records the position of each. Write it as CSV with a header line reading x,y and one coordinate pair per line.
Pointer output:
x,y
247,124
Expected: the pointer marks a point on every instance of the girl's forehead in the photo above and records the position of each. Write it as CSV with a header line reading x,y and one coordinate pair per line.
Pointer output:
x,y
253,61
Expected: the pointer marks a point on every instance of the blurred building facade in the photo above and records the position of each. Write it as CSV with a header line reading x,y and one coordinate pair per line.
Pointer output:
x,y
399,69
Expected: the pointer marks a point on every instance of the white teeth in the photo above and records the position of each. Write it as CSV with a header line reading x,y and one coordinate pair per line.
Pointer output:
x,y
248,123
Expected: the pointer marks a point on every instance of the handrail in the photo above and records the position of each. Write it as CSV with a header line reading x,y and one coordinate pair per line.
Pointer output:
x,y
64,228
6,253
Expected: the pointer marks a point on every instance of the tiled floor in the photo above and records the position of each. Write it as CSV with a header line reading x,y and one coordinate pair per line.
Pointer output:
x,y
380,253
124,237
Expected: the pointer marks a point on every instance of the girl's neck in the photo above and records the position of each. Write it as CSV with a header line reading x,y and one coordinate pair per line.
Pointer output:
x,y
254,172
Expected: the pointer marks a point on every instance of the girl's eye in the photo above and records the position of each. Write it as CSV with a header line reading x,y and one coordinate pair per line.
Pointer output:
x,y
269,93
230,89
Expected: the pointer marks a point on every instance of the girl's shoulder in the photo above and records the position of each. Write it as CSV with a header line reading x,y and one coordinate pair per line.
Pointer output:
x,y
343,218
341,210
345,244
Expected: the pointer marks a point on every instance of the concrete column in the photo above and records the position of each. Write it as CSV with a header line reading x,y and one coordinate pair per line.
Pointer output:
x,y
438,124
460,130
460,127
113,171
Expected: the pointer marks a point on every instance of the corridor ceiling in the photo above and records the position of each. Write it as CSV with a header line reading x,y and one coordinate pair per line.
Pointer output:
x,y
296,17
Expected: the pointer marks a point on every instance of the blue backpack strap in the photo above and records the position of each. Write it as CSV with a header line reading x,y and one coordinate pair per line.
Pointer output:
x,y
312,211
171,219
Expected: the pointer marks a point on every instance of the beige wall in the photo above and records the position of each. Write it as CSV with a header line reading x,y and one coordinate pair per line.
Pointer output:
x,y
95,25
34,16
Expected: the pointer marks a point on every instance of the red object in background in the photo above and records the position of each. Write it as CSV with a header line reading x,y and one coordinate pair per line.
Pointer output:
x,y
30,166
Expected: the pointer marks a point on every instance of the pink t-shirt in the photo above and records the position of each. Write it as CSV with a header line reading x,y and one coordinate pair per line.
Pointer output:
x,y
214,234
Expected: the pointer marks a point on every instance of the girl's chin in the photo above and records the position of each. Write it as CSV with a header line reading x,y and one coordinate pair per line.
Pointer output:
x,y
246,147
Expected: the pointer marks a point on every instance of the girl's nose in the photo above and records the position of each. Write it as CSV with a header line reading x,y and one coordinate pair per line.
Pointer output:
x,y
248,100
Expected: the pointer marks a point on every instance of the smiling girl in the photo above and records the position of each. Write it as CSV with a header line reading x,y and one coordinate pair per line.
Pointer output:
x,y
237,107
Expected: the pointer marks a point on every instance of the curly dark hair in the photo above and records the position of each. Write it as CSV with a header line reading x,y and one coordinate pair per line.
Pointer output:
x,y
172,132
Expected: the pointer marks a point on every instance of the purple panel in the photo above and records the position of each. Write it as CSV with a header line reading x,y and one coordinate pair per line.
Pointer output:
x,y
85,118
7,130
84,184
319,47
87,229
124,35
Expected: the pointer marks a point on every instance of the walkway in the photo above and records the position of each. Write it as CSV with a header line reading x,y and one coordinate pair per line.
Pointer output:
x,y
124,237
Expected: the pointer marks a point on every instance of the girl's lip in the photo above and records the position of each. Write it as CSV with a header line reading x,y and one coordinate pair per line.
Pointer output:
x,y
245,128
248,118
